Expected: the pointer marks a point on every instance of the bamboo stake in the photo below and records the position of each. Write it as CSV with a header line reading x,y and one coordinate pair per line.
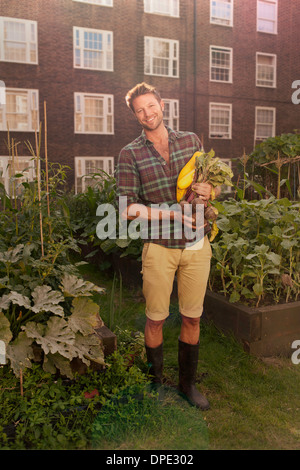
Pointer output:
x,y
21,382
13,170
46,157
47,173
39,186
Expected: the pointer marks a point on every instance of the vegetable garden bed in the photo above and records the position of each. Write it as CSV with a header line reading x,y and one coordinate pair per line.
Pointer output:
x,y
263,331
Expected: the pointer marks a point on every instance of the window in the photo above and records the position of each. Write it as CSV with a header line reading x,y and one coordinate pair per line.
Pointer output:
x,y
264,122
161,57
267,16
105,3
221,12
85,166
220,64
266,70
21,110
93,113
18,40
220,121
20,166
162,7
93,49
171,114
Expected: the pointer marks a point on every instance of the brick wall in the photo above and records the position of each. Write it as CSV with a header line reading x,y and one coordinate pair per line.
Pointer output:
x,y
57,79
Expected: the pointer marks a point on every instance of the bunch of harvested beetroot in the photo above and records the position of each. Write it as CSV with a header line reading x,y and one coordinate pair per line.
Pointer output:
x,y
203,168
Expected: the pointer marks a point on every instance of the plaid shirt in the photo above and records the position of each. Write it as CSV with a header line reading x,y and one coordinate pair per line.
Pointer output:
x,y
144,177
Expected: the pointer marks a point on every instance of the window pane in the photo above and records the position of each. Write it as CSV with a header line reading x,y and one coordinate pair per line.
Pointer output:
x,y
267,16
96,114
264,123
93,49
221,63
220,124
221,12
19,41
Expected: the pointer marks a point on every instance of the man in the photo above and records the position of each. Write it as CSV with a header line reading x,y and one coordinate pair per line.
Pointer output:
x,y
147,174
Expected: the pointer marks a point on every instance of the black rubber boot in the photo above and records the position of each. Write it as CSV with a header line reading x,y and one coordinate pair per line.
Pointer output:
x,y
188,362
155,362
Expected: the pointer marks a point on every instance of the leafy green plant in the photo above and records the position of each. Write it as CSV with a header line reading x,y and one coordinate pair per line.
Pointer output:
x,y
55,413
256,255
274,167
45,312
46,326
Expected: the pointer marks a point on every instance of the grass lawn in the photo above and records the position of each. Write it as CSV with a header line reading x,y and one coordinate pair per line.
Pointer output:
x,y
255,403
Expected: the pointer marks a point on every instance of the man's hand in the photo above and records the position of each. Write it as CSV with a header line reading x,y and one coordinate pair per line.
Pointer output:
x,y
203,190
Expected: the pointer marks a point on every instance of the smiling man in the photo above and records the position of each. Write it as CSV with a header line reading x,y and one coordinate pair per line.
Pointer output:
x,y
147,174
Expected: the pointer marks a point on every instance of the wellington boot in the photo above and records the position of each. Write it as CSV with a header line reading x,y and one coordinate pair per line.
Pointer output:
x,y
155,362
188,362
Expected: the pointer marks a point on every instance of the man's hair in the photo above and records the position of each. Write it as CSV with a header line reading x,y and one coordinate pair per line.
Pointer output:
x,y
140,89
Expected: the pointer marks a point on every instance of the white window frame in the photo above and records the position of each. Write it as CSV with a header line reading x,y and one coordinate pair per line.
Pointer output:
x,y
155,7
273,67
108,111
225,188
225,50
149,44
221,20
266,136
172,120
108,49
81,172
259,19
31,39
103,3
5,177
221,106
33,107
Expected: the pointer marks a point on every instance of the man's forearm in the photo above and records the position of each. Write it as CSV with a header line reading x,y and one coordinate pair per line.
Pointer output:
x,y
148,213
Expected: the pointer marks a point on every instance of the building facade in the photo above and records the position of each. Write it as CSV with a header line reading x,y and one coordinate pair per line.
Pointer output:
x,y
225,69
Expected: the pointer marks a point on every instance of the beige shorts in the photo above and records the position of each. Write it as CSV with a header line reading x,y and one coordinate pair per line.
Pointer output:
x,y
159,266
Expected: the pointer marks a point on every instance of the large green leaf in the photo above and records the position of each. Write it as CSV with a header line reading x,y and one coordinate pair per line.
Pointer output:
x,y
89,348
52,362
15,298
72,286
46,300
12,255
19,353
5,333
85,316
54,337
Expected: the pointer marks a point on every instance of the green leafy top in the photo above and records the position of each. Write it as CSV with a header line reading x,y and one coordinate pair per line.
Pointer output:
x,y
213,170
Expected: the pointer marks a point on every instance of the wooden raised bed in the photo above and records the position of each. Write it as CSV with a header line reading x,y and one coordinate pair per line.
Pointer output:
x,y
263,331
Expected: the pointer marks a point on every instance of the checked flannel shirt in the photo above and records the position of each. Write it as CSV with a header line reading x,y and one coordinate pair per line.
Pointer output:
x,y
144,177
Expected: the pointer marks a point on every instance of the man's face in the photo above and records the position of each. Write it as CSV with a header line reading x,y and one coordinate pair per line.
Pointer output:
x,y
148,111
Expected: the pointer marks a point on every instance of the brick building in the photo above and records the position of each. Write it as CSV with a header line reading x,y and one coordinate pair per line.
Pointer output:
x,y
225,69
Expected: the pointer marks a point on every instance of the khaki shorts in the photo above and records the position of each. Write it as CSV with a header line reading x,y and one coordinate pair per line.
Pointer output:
x,y
159,265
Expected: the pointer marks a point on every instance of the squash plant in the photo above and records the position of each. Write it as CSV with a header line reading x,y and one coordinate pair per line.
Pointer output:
x,y
47,310
256,256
